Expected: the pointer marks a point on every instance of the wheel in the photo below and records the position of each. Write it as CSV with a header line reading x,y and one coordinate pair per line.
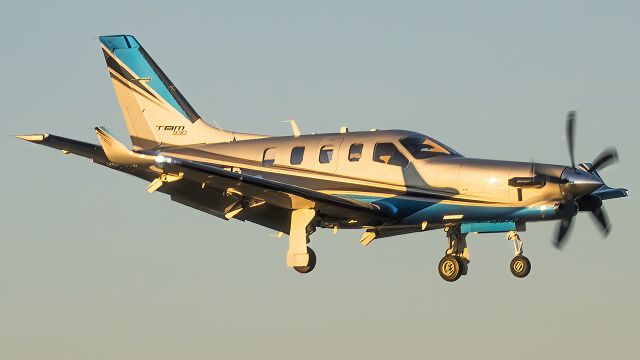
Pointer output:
x,y
450,268
310,266
520,266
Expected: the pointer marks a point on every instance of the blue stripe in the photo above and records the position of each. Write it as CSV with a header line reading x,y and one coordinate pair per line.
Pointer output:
x,y
415,211
488,227
126,49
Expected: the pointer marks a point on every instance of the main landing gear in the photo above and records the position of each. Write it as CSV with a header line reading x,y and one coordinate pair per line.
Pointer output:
x,y
450,267
520,265
454,263
299,256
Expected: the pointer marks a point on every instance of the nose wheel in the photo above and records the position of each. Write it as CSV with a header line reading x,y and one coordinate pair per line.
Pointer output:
x,y
520,266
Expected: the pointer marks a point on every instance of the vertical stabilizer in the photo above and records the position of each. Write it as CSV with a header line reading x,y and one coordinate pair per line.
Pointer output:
x,y
154,110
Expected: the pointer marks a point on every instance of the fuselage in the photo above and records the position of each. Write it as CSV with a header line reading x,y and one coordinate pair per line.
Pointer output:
x,y
405,171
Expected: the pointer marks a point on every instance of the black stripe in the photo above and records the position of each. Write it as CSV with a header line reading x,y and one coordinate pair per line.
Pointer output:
x,y
132,88
184,104
113,65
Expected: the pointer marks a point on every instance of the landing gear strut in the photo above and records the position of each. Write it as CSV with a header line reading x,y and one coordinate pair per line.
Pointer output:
x,y
520,265
454,263
299,256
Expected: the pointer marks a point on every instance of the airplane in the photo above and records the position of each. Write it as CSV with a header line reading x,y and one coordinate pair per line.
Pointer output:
x,y
384,182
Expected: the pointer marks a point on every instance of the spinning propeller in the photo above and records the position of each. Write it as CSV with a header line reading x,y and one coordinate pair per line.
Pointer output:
x,y
578,183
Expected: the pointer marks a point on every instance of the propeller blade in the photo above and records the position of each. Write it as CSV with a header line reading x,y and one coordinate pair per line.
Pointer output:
x,y
563,230
606,158
532,172
571,125
602,219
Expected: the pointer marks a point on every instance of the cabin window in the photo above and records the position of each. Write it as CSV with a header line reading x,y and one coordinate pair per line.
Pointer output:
x,y
387,153
269,157
355,152
326,154
297,155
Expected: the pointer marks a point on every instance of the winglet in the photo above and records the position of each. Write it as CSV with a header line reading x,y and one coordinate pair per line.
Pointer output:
x,y
117,152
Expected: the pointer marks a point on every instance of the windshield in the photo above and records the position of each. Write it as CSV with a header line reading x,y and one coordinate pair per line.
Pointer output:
x,y
422,147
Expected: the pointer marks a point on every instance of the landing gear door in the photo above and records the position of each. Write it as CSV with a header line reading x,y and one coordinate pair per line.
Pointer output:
x,y
327,154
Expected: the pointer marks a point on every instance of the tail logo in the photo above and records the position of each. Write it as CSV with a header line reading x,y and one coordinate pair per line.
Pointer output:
x,y
173,129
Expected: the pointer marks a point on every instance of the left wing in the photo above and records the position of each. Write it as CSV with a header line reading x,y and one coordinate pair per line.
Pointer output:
x,y
230,194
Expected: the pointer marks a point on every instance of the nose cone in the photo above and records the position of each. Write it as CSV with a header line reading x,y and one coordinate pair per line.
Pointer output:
x,y
579,183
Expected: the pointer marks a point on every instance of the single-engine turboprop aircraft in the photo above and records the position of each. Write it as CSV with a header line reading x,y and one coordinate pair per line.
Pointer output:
x,y
387,183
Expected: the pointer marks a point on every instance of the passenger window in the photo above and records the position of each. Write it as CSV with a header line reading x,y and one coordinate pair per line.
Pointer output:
x,y
355,152
297,155
388,153
269,157
326,154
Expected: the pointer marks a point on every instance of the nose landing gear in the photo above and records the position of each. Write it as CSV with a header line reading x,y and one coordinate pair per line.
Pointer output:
x,y
520,265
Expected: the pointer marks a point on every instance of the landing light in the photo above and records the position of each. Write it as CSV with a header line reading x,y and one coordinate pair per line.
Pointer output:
x,y
162,159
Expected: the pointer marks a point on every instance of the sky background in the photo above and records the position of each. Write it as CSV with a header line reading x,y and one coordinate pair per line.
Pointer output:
x,y
93,267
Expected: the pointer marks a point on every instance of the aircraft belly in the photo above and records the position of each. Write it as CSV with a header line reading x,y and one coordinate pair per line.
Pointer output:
x,y
444,212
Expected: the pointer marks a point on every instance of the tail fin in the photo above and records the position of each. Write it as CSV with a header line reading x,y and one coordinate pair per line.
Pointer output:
x,y
154,110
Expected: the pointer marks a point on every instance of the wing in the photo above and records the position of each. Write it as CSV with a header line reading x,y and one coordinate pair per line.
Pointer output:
x,y
229,194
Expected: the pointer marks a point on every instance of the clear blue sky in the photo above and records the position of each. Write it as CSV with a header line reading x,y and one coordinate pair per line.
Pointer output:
x,y
93,267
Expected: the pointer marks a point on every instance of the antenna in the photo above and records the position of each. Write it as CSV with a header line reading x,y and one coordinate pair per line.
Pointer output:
x,y
294,127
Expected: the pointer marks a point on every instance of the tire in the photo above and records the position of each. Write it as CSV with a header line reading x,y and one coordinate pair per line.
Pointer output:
x,y
450,268
520,266
310,266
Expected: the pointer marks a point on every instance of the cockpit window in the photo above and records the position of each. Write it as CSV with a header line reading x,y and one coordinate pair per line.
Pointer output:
x,y
387,153
424,147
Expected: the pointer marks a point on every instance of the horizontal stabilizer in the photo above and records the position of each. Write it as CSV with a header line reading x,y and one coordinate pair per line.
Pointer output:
x,y
72,146
117,152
